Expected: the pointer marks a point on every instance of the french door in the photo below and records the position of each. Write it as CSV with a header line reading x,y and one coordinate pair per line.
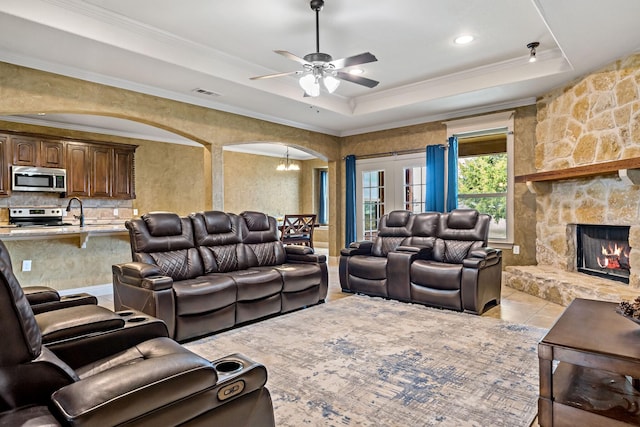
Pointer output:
x,y
385,184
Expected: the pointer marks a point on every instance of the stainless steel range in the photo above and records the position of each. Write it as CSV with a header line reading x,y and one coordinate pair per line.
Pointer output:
x,y
36,216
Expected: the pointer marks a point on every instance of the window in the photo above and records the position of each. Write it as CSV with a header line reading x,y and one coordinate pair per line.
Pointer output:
x,y
482,185
485,169
386,184
323,197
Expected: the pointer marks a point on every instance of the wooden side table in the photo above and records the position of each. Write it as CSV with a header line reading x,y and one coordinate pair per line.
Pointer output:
x,y
587,360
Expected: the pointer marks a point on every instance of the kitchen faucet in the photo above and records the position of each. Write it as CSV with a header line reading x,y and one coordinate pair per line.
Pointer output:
x,y
81,217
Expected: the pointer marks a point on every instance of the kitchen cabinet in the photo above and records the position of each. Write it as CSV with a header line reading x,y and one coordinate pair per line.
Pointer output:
x,y
124,173
100,159
78,169
29,151
5,184
100,170
94,169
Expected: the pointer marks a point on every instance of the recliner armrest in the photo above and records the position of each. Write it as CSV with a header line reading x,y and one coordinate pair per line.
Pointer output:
x,y
105,398
142,275
358,248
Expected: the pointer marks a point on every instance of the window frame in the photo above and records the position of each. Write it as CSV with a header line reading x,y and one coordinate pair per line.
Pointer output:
x,y
493,124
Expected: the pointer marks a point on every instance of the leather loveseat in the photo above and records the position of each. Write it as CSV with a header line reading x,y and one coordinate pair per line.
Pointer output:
x,y
213,270
429,258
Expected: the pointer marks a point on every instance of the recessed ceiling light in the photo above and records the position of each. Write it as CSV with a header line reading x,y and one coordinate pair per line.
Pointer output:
x,y
464,39
356,71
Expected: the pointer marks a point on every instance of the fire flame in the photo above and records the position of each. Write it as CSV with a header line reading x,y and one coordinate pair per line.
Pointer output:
x,y
613,256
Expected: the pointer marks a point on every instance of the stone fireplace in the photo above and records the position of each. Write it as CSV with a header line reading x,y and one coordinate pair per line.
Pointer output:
x,y
582,130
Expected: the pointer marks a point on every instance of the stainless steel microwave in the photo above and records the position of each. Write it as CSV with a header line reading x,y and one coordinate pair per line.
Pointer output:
x,y
30,178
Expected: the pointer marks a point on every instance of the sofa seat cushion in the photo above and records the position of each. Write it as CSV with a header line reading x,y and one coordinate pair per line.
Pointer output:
x,y
298,277
256,283
436,275
204,294
368,267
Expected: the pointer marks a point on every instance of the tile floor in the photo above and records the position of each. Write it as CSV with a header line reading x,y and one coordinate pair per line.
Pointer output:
x,y
516,306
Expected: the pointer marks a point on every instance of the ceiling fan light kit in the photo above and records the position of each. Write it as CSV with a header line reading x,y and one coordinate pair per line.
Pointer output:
x,y
320,67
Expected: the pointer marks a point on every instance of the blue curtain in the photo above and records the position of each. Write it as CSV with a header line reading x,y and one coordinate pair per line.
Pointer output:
x,y
452,175
350,205
434,192
322,204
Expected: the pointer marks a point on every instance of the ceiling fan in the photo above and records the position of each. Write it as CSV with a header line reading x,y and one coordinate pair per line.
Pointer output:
x,y
320,67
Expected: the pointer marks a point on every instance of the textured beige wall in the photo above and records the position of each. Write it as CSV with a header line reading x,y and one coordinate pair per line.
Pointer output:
x,y
595,119
63,264
251,183
170,177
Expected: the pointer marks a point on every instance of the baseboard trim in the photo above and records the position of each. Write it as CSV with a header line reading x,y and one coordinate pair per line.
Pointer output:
x,y
95,290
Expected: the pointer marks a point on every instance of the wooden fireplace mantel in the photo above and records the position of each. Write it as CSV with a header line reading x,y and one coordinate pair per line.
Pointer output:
x,y
627,169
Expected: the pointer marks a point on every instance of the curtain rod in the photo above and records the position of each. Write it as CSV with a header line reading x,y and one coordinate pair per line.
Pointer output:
x,y
396,153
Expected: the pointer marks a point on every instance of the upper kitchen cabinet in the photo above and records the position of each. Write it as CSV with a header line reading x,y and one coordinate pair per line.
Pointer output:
x,y
101,170
28,151
94,169
4,167
78,169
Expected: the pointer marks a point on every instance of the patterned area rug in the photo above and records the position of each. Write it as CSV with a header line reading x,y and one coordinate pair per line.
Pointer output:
x,y
362,361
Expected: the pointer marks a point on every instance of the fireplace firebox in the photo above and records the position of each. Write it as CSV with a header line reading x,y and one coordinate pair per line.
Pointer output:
x,y
603,250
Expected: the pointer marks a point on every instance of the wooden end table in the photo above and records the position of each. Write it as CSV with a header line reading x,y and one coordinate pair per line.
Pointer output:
x,y
587,362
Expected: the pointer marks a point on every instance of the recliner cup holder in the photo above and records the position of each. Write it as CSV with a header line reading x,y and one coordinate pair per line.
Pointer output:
x,y
136,319
229,366
125,313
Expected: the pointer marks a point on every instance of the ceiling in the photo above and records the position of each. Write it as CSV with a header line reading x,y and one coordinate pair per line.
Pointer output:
x,y
169,49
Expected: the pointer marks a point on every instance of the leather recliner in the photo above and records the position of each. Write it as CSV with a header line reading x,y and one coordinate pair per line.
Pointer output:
x,y
461,273
157,382
363,265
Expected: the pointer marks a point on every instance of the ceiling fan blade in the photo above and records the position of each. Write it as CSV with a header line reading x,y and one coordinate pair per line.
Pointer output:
x,y
363,58
291,56
270,76
357,79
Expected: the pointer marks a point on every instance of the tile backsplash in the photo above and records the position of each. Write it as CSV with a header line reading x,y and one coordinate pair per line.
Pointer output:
x,y
96,211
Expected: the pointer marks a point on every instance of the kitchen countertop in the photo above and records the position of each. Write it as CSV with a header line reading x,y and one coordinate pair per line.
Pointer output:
x,y
11,232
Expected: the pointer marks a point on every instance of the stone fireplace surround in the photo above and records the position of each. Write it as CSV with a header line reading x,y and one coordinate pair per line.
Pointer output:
x,y
563,204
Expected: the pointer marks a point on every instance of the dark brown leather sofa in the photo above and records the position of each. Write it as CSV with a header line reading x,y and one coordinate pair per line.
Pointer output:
x,y
213,270
434,259
153,382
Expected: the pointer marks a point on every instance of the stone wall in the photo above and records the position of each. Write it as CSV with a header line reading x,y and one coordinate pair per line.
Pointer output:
x,y
595,119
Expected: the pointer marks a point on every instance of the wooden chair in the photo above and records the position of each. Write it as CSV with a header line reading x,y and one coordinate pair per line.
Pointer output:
x,y
298,229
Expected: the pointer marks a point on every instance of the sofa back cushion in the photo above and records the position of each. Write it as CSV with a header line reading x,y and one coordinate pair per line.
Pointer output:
x,y
464,224
459,232
394,229
261,245
217,236
166,240
424,230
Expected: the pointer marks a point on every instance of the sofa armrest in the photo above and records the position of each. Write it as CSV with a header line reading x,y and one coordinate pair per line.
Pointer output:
x,y
421,252
142,275
299,253
482,257
358,248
